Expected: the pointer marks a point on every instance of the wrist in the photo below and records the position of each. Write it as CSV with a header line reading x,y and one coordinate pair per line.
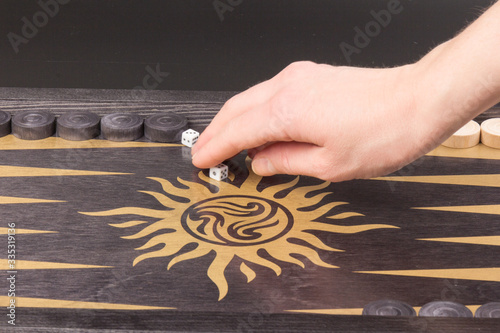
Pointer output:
x,y
454,87
460,79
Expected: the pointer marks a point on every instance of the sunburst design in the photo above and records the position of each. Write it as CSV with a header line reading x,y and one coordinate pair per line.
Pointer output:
x,y
237,222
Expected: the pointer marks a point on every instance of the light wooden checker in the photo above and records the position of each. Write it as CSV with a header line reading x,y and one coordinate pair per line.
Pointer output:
x,y
466,137
490,133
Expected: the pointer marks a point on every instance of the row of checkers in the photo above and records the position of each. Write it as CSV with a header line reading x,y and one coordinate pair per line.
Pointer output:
x,y
84,125
471,134
390,308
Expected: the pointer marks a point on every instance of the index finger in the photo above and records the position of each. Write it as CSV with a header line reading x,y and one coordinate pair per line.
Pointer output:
x,y
248,130
234,107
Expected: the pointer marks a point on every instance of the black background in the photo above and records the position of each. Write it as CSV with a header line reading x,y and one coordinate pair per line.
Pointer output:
x,y
109,44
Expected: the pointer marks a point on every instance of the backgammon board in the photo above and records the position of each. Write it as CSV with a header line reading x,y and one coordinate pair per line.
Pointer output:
x,y
130,235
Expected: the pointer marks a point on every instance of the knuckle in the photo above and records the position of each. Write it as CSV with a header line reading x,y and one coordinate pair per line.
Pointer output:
x,y
283,115
275,116
230,103
324,168
280,105
286,165
299,67
228,136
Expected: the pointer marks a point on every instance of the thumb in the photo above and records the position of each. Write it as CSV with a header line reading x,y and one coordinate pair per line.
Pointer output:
x,y
293,158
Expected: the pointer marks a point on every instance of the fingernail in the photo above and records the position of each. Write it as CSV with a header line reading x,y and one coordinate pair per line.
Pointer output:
x,y
193,156
262,166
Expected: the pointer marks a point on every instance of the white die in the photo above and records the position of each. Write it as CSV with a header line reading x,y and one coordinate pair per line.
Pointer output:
x,y
190,137
219,172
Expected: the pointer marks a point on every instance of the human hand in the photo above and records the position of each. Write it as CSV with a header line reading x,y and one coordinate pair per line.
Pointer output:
x,y
333,123
340,123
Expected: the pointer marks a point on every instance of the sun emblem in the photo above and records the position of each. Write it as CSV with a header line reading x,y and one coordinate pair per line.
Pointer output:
x,y
237,221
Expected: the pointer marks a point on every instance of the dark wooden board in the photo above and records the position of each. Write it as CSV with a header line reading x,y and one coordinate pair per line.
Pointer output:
x,y
104,290
56,321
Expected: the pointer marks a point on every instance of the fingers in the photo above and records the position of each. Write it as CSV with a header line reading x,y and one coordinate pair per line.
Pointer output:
x,y
253,151
234,107
249,130
293,158
261,115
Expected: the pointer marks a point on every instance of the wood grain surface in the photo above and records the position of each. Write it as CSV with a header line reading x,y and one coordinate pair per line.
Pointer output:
x,y
200,107
109,239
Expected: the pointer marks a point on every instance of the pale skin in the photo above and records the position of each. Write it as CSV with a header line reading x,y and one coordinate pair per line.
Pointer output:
x,y
342,123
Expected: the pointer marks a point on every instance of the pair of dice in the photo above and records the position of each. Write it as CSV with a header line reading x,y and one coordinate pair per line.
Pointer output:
x,y
218,172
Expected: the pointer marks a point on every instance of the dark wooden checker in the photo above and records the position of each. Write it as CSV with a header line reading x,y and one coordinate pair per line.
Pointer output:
x,y
429,232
